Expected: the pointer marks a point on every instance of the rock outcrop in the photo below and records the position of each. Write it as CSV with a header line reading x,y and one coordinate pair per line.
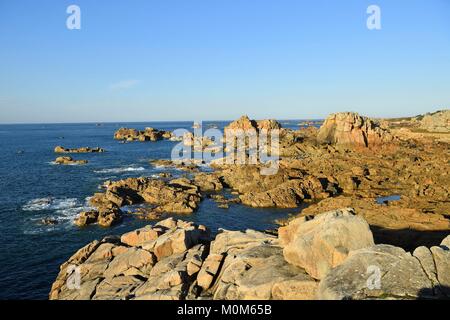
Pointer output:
x,y
174,196
69,161
268,125
289,194
60,149
245,124
200,143
438,121
159,262
250,266
208,182
351,129
285,189
384,271
104,217
191,165
149,134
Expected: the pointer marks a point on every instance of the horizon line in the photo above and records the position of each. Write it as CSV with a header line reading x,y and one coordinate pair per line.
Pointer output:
x,y
193,121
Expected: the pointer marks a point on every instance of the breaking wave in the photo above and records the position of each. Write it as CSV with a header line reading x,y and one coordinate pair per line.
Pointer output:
x,y
50,203
64,210
120,170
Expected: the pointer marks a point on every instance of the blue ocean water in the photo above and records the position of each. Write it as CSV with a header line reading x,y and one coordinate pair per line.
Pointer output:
x,y
33,188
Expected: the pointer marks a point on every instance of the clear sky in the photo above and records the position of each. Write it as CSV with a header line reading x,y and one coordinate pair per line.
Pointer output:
x,y
144,60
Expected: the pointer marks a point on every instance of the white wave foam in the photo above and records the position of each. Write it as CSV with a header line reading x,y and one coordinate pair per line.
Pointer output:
x,y
53,163
68,215
64,212
63,208
50,203
120,170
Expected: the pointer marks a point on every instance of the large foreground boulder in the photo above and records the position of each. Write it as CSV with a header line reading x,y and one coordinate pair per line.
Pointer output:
x,y
388,272
324,242
351,129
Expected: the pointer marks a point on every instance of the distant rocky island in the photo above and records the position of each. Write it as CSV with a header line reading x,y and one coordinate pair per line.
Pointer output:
x,y
368,196
149,134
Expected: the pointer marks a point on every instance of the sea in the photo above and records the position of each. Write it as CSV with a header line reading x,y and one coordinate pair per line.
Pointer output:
x,y
34,188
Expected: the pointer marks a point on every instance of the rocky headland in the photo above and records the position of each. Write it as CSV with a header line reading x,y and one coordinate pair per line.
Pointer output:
x,y
394,177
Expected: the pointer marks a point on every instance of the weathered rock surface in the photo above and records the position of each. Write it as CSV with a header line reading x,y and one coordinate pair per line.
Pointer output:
x,y
245,124
436,122
149,134
381,272
285,189
208,182
199,143
287,195
324,242
249,265
268,125
178,196
441,257
351,129
60,149
69,161
190,165
172,260
105,217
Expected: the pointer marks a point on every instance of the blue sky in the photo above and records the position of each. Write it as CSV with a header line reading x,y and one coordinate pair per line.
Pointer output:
x,y
218,59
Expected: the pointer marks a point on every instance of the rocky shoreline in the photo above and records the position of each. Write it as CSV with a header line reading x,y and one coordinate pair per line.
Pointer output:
x,y
329,257
351,162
